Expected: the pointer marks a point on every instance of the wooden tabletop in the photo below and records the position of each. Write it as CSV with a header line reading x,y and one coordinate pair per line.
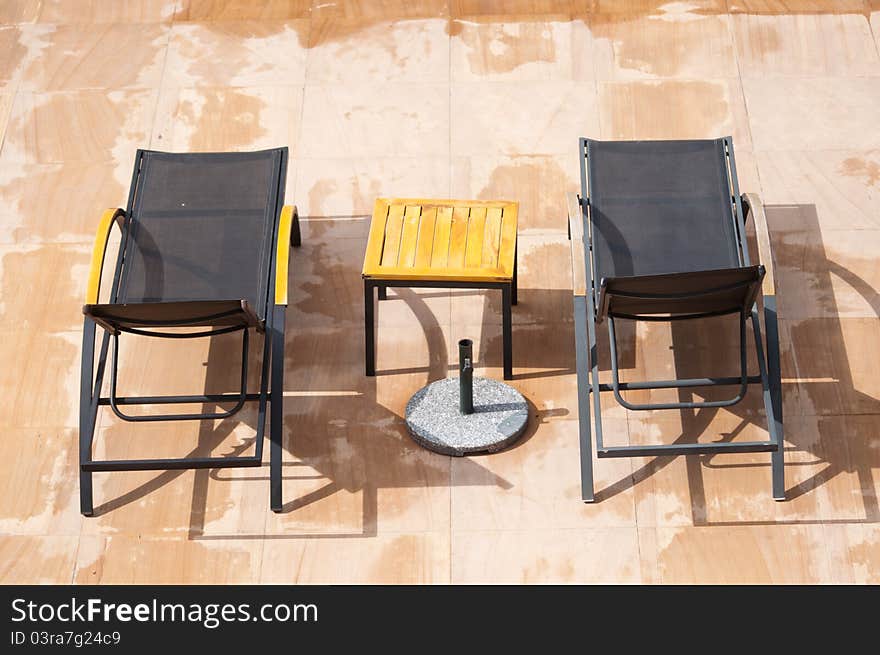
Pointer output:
x,y
456,240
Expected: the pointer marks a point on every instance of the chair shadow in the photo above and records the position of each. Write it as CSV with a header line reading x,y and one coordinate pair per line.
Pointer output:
x,y
537,344
346,438
797,244
335,426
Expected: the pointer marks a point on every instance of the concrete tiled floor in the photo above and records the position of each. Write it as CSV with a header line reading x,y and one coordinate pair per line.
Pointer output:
x,y
465,98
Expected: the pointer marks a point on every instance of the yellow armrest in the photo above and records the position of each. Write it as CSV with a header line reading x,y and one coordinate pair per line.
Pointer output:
x,y
762,234
98,249
282,253
578,260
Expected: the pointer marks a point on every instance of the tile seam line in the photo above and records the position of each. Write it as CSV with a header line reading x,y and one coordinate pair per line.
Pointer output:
x,y
27,89
807,76
597,83
742,89
874,35
162,537
100,424
588,528
450,530
294,158
76,556
785,524
161,86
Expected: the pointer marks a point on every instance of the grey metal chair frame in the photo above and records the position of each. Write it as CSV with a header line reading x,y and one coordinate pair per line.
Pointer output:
x,y
230,320
586,299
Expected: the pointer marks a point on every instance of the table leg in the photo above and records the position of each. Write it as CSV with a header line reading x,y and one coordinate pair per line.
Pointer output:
x,y
513,300
369,329
507,330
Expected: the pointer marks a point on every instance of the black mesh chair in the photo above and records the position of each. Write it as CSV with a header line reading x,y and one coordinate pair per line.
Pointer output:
x,y
659,234
204,249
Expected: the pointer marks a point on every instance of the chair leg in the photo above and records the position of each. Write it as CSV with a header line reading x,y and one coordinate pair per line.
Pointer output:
x,y
774,373
382,292
507,330
582,363
86,418
777,463
369,329
591,360
769,369
513,299
276,417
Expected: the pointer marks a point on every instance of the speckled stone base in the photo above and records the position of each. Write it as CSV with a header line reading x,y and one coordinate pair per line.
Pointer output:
x,y
500,417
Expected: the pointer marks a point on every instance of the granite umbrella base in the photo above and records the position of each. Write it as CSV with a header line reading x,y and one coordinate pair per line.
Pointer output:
x,y
434,420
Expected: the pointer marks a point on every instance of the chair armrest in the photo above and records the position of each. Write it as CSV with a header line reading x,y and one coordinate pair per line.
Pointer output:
x,y
576,232
99,249
282,252
765,254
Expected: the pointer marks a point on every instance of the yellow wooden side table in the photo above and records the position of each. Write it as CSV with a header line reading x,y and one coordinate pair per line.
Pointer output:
x,y
469,244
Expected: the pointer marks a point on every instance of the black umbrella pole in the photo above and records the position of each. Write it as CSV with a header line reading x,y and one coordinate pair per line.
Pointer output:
x,y
466,376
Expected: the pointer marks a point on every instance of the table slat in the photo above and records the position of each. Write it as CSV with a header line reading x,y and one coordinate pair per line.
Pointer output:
x,y
476,233
426,239
440,254
393,227
458,237
507,249
410,237
425,246
492,237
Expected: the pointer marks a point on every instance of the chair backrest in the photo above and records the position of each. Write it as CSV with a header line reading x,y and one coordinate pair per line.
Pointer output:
x,y
660,207
201,226
692,294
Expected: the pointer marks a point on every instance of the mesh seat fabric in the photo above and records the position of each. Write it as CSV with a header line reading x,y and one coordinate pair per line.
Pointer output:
x,y
201,231
660,207
662,225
